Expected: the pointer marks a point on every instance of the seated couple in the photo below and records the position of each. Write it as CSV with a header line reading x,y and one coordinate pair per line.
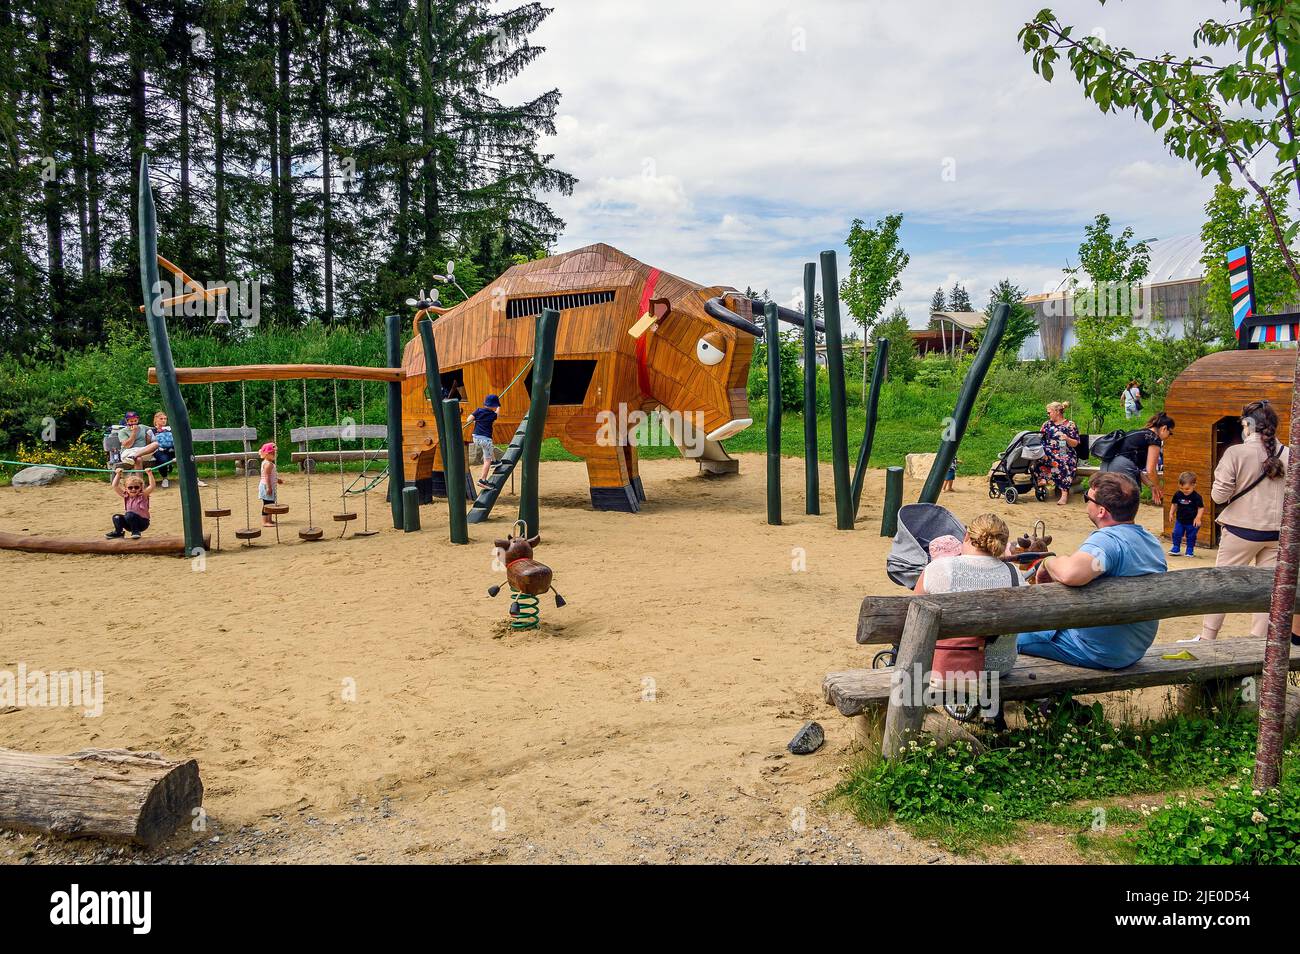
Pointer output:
x,y
1118,547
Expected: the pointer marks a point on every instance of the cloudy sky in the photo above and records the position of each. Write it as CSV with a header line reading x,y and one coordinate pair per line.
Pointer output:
x,y
729,142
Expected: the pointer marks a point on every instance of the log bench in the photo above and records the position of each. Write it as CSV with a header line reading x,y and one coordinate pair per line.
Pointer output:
x,y
306,458
914,623
207,438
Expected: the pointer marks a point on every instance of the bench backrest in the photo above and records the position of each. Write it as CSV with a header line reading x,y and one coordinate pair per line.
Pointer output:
x,y
300,435
1104,602
219,434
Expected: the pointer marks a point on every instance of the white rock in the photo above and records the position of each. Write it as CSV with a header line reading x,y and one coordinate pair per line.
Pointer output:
x,y
37,477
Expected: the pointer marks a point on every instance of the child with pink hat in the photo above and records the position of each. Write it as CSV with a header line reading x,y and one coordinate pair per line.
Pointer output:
x,y
269,481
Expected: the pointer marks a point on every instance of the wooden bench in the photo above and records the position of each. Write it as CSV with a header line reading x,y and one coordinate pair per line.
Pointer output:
x,y
914,623
246,437
328,450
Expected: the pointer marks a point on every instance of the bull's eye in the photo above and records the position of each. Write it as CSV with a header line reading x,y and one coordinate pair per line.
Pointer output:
x,y
711,349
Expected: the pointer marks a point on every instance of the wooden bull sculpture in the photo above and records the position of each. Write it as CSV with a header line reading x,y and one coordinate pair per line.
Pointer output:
x,y
524,575
631,339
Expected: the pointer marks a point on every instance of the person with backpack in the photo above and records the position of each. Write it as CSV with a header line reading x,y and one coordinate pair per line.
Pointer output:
x,y
1136,454
1248,488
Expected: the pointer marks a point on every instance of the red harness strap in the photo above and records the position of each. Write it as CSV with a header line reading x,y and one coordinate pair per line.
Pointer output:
x,y
643,343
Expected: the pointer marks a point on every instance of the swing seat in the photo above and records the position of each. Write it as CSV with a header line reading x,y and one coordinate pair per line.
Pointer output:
x,y
344,517
248,533
311,533
275,509
222,512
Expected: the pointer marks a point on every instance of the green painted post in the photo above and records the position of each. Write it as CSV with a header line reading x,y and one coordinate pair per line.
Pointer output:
x,y
433,387
410,508
453,464
869,432
955,426
893,500
396,470
835,367
811,487
173,401
773,341
548,323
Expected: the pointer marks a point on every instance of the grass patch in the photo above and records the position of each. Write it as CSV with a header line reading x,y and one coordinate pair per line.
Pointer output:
x,y
963,798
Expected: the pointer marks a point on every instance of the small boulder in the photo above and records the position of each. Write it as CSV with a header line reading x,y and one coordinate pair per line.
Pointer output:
x,y
808,739
918,465
37,477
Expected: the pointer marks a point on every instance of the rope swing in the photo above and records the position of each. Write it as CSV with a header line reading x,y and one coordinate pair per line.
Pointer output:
x,y
276,509
345,515
365,530
249,532
310,532
216,511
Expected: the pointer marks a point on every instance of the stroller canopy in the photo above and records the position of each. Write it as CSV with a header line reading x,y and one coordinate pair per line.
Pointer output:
x,y
918,524
1025,447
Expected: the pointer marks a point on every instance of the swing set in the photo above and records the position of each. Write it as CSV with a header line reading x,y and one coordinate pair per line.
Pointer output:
x,y
251,531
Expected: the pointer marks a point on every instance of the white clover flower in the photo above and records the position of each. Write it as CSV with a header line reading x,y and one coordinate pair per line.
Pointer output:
x,y
1258,817
969,770
988,808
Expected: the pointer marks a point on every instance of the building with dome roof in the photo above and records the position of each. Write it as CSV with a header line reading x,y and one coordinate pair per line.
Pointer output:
x,y
1169,295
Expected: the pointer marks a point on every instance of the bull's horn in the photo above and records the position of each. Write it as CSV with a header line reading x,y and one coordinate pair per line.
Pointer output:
x,y
714,308
788,315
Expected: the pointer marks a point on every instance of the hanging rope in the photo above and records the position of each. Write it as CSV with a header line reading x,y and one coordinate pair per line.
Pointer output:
x,y
345,516
311,531
249,532
365,468
212,429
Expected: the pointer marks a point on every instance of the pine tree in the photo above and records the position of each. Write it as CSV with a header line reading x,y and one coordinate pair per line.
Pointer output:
x,y
937,302
958,299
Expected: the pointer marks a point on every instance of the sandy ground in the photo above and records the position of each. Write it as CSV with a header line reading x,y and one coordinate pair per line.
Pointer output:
x,y
646,720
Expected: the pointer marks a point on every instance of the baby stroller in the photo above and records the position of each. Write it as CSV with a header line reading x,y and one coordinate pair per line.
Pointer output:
x,y
1018,469
918,525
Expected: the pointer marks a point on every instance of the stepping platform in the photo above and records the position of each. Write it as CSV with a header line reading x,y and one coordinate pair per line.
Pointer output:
x,y
156,545
856,691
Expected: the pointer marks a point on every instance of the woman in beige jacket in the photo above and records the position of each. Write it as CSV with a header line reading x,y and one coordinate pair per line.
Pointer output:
x,y
1252,472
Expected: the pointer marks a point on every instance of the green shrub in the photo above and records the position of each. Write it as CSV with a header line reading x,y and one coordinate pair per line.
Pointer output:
x,y
1237,825
1033,773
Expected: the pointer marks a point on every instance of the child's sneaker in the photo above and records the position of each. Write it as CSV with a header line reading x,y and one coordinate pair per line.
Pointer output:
x,y
166,483
135,536
114,535
1191,553
1173,551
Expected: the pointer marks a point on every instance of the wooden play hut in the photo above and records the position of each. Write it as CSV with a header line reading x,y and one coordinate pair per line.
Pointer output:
x,y
1205,402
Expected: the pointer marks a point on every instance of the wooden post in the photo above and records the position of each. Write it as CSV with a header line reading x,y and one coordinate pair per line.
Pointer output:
x,y
453,465
433,388
139,797
410,508
543,367
773,414
893,500
396,467
970,388
835,368
869,431
173,402
811,477
911,677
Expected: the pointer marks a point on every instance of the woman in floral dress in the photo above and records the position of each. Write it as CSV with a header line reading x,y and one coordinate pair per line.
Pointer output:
x,y
1060,438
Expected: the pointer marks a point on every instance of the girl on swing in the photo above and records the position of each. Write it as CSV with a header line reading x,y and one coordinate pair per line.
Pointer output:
x,y
268,482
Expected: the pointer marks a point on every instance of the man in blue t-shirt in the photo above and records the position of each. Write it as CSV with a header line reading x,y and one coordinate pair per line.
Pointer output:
x,y
1118,547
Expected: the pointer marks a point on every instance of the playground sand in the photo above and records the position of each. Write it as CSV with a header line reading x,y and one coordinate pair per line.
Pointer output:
x,y
363,699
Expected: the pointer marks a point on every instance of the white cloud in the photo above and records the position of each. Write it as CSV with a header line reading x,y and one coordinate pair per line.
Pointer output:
x,y
766,133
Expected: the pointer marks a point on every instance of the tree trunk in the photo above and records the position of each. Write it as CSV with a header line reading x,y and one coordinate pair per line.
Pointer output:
x,y
137,30
185,248
428,119
219,146
327,184
284,278
106,793
90,121
52,196
1277,651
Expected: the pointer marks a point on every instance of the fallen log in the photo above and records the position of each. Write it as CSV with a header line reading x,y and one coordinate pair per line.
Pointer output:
x,y
116,794
157,545
1107,601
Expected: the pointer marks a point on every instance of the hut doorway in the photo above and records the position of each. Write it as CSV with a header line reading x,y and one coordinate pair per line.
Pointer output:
x,y
1225,433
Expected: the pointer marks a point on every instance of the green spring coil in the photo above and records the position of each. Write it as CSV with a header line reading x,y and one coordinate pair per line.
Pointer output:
x,y
528,614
